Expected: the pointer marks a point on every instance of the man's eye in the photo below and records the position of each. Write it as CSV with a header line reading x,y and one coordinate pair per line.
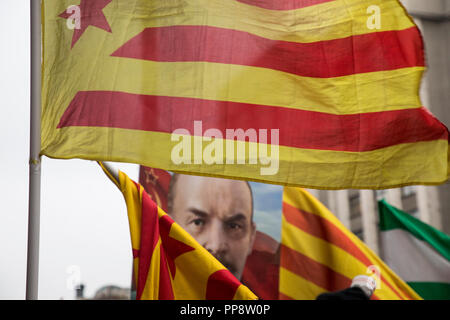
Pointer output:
x,y
198,222
234,226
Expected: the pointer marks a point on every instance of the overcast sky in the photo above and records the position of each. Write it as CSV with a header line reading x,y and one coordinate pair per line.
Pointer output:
x,y
83,217
84,227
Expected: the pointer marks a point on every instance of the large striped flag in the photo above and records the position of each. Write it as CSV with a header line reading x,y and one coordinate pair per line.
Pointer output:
x,y
318,254
419,253
313,93
168,263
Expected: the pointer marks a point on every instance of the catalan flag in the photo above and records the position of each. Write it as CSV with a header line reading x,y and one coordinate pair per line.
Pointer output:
x,y
318,254
312,91
168,263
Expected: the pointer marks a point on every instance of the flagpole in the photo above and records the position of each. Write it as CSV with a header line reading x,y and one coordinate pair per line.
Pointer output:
x,y
34,196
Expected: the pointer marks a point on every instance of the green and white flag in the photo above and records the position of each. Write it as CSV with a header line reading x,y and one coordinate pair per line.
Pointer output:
x,y
417,252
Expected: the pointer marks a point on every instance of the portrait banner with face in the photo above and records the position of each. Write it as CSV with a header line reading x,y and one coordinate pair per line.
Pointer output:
x,y
239,222
282,243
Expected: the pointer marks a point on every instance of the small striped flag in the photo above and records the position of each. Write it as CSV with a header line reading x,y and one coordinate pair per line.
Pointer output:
x,y
419,253
318,254
294,92
168,263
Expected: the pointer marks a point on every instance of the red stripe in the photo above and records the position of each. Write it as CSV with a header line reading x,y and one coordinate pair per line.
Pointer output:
x,y
152,229
298,128
165,284
222,285
323,229
370,52
172,247
149,239
311,270
327,231
282,296
283,4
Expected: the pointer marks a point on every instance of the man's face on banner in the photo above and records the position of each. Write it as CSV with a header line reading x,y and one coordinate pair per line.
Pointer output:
x,y
218,214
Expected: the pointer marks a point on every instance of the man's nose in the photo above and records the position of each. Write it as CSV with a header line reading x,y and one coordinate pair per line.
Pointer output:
x,y
216,242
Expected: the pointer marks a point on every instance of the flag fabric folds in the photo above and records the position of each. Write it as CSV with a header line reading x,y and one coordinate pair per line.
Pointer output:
x,y
417,252
168,263
313,92
318,254
260,274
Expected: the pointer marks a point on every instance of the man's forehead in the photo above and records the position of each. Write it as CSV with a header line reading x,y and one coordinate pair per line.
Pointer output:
x,y
213,193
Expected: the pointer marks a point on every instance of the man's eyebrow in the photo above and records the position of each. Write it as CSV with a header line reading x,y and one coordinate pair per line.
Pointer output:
x,y
198,212
236,217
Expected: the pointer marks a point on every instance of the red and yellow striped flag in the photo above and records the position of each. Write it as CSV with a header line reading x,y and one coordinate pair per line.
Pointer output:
x,y
312,91
168,263
318,254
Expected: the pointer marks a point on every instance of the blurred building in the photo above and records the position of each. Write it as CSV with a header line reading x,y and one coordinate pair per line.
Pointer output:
x,y
112,293
357,209
109,292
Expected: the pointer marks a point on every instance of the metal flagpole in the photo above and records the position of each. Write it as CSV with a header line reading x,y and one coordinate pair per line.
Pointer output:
x,y
34,200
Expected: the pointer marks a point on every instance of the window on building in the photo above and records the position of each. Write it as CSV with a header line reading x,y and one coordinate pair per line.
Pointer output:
x,y
355,210
380,194
408,191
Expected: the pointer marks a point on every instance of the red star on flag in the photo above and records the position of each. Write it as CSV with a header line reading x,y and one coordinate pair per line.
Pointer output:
x,y
91,14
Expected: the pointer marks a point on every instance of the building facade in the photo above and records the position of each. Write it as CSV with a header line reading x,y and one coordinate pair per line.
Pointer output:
x,y
357,209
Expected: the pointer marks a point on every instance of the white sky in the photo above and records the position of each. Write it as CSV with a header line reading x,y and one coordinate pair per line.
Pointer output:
x,y
83,216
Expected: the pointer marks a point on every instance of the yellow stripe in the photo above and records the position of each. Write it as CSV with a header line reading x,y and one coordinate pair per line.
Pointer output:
x,y
134,210
151,288
297,287
161,212
336,19
302,200
360,93
133,199
298,167
321,251
330,255
243,293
